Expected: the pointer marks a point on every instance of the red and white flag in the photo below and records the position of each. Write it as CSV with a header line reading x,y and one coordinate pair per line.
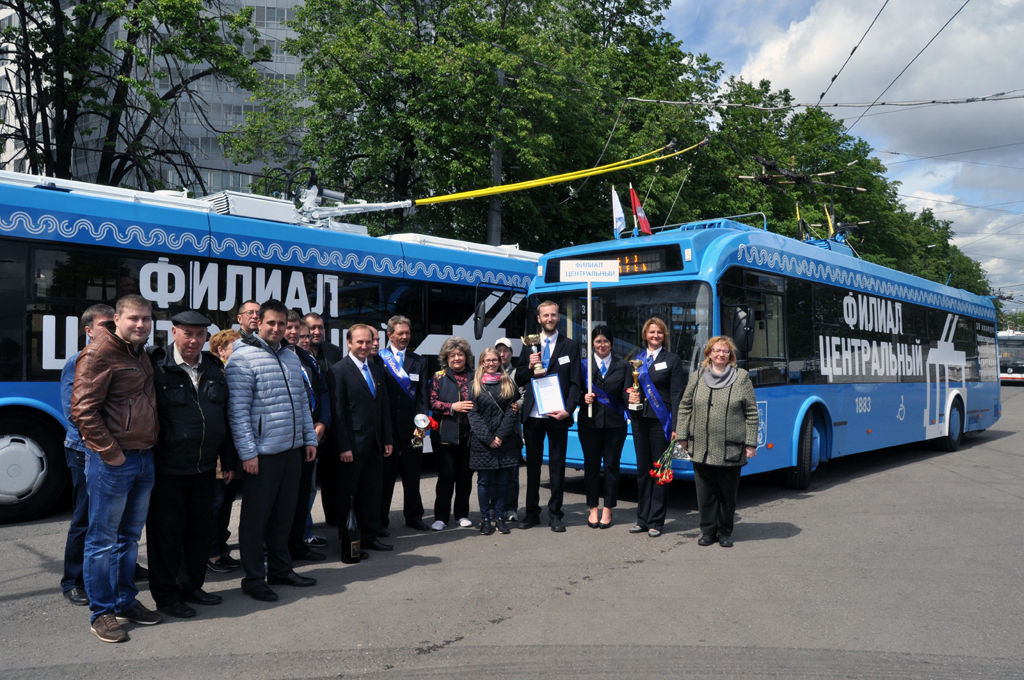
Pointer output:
x,y
638,211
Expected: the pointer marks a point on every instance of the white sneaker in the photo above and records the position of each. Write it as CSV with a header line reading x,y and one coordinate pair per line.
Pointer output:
x,y
464,522
438,525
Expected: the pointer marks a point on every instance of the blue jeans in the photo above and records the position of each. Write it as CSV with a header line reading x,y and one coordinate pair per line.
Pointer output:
x,y
492,490
74,548
118,505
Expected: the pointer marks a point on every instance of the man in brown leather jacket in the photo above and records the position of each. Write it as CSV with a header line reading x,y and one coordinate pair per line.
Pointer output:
x,y
113,404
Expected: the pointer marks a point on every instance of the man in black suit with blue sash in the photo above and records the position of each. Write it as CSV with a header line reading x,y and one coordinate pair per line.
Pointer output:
x,y
558,356
405,374
361,433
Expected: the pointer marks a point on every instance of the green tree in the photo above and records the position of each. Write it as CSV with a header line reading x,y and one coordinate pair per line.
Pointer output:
x,y
111,78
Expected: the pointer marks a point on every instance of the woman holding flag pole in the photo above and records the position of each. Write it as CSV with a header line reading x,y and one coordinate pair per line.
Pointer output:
x,y
654,421
602,426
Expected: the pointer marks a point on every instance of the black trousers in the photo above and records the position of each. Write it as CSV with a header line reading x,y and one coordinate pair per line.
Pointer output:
x,y
327,473
361,480
295,544
598,445
557,432
453,475
717,487
406,460
268,507
649,442
178,533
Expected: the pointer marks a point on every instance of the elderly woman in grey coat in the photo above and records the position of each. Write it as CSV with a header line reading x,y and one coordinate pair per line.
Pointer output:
x,y
717,420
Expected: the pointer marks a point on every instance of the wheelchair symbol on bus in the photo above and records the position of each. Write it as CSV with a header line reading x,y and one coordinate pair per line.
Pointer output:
x,y
902,413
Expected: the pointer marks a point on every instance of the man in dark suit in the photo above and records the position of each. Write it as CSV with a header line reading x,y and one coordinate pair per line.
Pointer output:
x,y
326,355
559,356
405,374
361,433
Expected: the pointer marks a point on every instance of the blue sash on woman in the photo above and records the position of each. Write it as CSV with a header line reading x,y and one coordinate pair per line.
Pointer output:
x,y
398,373
608,400
660,410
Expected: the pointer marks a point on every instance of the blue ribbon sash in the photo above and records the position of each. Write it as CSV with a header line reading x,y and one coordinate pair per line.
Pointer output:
x,y
398,373
608,400
660,410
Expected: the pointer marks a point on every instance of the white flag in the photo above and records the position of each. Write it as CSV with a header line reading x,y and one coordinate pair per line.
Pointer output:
x,y
618,218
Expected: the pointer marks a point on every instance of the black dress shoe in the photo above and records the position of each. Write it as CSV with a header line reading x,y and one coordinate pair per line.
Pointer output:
x,y
383,533
528,522
218,566
291,579
375,544
308,555
230,561
263,593
707,539
419,526
725,541
200,596
141,574
603,525
77,596
364,555
593,525
178,610
557,526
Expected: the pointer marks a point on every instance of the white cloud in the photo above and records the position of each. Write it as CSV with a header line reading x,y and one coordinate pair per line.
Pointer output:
x,y
800,45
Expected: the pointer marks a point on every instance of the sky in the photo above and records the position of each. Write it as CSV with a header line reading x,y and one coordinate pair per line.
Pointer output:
x,y
801,44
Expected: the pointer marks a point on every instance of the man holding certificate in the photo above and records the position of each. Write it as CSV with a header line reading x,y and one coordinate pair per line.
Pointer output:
x,y
553,390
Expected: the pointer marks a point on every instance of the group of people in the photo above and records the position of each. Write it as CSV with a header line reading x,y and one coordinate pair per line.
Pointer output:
x,y
163,438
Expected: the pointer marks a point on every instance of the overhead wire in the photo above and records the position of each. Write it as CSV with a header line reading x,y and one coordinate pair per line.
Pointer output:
x,y
851,52
966,2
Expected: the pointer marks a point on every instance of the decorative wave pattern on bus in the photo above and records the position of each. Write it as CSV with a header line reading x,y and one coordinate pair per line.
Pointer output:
x,y
256,249
771,259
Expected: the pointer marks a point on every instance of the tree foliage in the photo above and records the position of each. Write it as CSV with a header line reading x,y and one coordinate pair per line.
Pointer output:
x,y
408,99
84,81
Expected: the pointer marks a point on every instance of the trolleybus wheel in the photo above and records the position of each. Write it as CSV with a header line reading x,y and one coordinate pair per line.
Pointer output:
x,y
33,471
799,477
951,441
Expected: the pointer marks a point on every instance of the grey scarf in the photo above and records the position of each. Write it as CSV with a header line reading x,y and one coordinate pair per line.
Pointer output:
x,y
717,381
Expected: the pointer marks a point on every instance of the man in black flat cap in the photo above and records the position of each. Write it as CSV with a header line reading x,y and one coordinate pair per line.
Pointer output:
x,y
192,404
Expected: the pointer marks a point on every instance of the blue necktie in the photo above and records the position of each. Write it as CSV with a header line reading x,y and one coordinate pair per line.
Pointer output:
x,y
546,357
604,369
398,355
369,379
650,358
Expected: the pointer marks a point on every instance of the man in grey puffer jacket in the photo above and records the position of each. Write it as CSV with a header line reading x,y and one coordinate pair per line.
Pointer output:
x,y
268,410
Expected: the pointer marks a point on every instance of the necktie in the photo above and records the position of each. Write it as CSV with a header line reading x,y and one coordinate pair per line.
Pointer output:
x,y
546,357
369,379
398,355
604,368
650,358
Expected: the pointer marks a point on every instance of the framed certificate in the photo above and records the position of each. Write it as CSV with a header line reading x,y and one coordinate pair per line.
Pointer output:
x,y
548,394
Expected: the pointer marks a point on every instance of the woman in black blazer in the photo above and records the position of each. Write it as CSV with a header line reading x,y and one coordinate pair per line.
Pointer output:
x,y
603,433
652,433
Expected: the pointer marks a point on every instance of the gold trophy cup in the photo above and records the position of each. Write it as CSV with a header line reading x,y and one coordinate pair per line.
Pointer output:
x,y
534,342
421,422
636,364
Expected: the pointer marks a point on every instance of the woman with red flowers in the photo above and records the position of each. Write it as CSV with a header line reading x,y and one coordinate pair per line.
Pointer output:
x,y
717,423
654,425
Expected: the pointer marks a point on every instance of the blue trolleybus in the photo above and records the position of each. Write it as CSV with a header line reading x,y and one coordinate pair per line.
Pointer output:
x,y
845,356
67,245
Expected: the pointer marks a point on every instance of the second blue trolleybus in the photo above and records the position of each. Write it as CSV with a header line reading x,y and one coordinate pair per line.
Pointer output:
x,y
846,356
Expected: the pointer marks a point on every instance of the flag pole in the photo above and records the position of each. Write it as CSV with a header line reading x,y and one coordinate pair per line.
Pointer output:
x,y
636,228
590,350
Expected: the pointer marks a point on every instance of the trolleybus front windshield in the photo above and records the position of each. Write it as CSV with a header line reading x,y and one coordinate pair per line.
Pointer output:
x,y
685,307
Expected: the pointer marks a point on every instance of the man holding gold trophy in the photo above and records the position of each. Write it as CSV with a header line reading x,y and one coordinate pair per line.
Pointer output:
x,y
554,386
406,377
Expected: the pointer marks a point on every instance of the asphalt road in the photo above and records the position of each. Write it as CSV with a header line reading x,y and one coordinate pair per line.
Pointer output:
x,y
904,563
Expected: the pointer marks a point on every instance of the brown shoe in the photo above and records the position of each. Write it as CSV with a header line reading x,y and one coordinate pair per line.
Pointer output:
x,y
107,628
140,615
